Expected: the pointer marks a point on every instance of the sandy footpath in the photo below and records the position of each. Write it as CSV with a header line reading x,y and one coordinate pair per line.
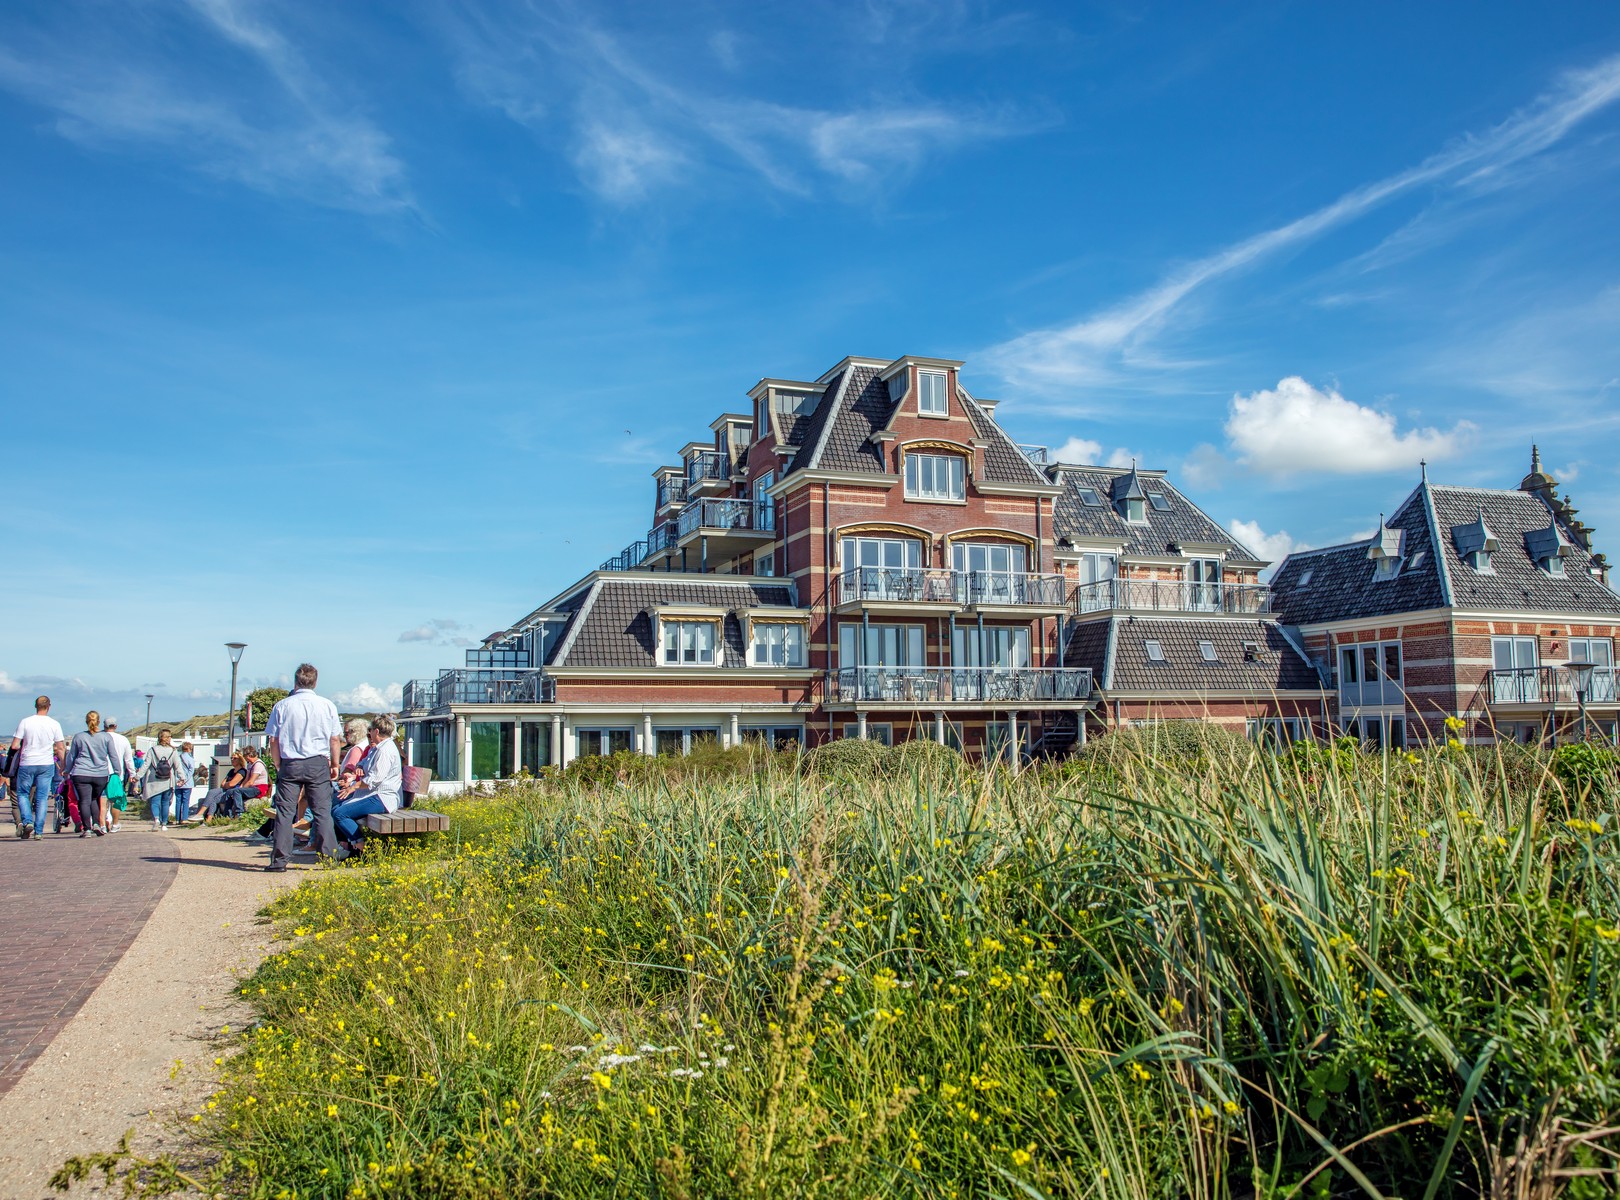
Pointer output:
x,y
113,1066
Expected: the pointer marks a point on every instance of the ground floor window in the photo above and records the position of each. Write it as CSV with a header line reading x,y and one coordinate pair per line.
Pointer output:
x,y
491,748
874,732
780,737
997,736
683,740
1378,732
432,745
1275,731
603,741
1525,733
536,746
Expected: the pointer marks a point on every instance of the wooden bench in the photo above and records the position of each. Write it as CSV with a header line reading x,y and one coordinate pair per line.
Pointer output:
x,y
406,820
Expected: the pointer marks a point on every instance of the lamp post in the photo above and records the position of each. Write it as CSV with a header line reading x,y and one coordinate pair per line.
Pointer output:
x,y
148,710
1582,673
235,650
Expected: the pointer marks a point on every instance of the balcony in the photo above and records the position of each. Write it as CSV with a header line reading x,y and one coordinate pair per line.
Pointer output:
x,y
479,685
627,559
993,687
1548,687
707,470
661,539
1173,595
1041,456
671,491
421,696
876,587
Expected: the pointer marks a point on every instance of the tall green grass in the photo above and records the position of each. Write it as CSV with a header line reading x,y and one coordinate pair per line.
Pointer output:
x,y
1216,974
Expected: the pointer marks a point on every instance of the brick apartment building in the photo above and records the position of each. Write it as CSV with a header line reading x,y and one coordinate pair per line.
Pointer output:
x,y
868,554
1489,606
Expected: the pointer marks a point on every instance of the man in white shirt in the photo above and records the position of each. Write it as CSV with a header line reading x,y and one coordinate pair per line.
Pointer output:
x,y
123,761
38,740
306,743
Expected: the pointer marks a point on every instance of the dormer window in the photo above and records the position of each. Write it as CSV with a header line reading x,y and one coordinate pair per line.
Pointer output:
x,y
935,477
1548,548
1553,566
899,385
1387,568
1479,560
1135,511
1387,551
1129,499
931,394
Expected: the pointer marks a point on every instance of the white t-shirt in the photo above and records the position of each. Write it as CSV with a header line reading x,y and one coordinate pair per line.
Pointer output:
x,y
39,735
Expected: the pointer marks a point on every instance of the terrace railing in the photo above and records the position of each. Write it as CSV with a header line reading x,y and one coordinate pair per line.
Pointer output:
x,y
1355,693
627,559
959,685
931,585
478,685
1549,685
705,465
1172,595
671,491
421,695
661,538
723,514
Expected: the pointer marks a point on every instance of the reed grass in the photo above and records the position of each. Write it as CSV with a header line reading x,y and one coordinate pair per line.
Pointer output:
x,y
1153,974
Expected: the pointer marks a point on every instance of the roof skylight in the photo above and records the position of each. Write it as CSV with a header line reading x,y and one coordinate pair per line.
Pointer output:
x,y
1305,576
1159,501
1155,651
1207,649
1090,498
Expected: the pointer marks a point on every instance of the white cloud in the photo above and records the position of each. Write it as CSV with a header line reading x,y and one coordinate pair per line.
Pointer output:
x,y
274,125
1098,348
441,631
366,698
1273,547
1296,428
8,685
633,130
1085,452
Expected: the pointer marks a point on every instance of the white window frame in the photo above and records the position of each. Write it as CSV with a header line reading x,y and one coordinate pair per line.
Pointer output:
x,y
910,643
1153,650
953,467
783,643
928,381
683,628
876,731
604,739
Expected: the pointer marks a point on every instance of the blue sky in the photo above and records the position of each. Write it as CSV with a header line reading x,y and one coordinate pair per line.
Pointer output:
x,y
353,331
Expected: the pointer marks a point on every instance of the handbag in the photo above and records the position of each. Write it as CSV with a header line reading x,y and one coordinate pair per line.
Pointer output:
x,y
116,793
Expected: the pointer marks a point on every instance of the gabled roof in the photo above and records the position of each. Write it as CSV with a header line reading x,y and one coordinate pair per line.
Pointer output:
x,y
856,405
1342,587
1250,656
615,626
1182,523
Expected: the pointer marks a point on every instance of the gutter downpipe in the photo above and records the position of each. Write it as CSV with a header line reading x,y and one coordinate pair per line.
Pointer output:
x,y
826,595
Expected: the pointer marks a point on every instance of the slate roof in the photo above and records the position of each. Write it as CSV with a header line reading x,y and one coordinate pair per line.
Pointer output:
x,y
800,431
856,404
1342,587
1183,522
615,625
1115,650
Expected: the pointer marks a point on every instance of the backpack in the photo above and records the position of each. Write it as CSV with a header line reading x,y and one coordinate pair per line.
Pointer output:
x,y
162,766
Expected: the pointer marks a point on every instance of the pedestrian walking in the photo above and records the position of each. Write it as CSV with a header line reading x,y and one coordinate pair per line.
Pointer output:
x,y
305,738
160,772
35,745
91,758
183,783
123,770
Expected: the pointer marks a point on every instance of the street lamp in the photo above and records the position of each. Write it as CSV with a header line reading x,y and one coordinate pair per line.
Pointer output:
x,y
1582,672
235,649
149,710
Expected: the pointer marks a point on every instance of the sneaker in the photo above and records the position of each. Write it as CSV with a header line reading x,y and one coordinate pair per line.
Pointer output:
x,y
84,833
26,832
98,830
115,827
157,825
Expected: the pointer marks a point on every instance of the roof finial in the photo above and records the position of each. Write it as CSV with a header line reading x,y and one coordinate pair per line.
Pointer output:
x,y
1423,469
1535,459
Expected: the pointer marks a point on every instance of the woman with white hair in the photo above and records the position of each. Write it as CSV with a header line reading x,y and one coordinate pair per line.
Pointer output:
x,y
375,791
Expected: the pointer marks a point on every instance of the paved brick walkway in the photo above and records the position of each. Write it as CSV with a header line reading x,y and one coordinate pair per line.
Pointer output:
x,y
71,909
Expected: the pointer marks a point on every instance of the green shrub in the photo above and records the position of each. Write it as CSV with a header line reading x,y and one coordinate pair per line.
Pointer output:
x,y
1171,740
922,755
848,756
1587,769
1313,758
619,767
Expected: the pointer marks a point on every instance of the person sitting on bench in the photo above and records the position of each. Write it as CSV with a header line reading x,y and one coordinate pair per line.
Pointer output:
x,y
229,801
375,791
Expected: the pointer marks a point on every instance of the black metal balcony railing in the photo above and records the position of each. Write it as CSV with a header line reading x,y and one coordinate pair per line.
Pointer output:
x,y
671,491
421,695
1549,685
474,685
724,514
627,559
661,538
931,585
1041,456
959,685
705,465
1172,595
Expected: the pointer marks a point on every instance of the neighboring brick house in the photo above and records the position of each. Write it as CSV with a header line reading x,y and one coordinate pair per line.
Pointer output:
x,y
868,554
1485,605
1169,612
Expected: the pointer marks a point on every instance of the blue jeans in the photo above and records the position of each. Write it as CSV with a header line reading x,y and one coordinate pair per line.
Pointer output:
x,y
343,816
34,794
182,804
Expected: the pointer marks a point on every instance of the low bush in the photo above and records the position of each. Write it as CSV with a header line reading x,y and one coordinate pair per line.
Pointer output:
x,y
1586,769
1186,741
859,757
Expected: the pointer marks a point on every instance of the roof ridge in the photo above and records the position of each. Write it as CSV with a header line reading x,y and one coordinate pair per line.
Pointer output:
x,y
830,419
1437,551
995,428
1108,653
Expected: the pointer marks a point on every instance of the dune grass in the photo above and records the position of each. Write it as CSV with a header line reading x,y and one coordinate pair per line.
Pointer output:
x,y
1217,974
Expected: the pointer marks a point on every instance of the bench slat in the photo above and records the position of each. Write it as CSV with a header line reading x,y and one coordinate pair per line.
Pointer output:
x,y
412,820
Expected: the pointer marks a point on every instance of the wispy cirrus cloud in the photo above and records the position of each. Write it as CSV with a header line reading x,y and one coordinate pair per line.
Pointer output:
x,y
631,131
1107,346
441,631
211,83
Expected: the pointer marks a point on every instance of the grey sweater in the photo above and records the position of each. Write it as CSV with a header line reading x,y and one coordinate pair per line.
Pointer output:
x,y
91,755
153,786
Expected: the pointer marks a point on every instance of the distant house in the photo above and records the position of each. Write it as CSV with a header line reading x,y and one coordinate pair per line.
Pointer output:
x,y
1487,606
869,554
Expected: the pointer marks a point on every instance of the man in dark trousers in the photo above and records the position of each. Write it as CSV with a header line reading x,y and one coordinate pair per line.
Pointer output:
x,y
306,744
